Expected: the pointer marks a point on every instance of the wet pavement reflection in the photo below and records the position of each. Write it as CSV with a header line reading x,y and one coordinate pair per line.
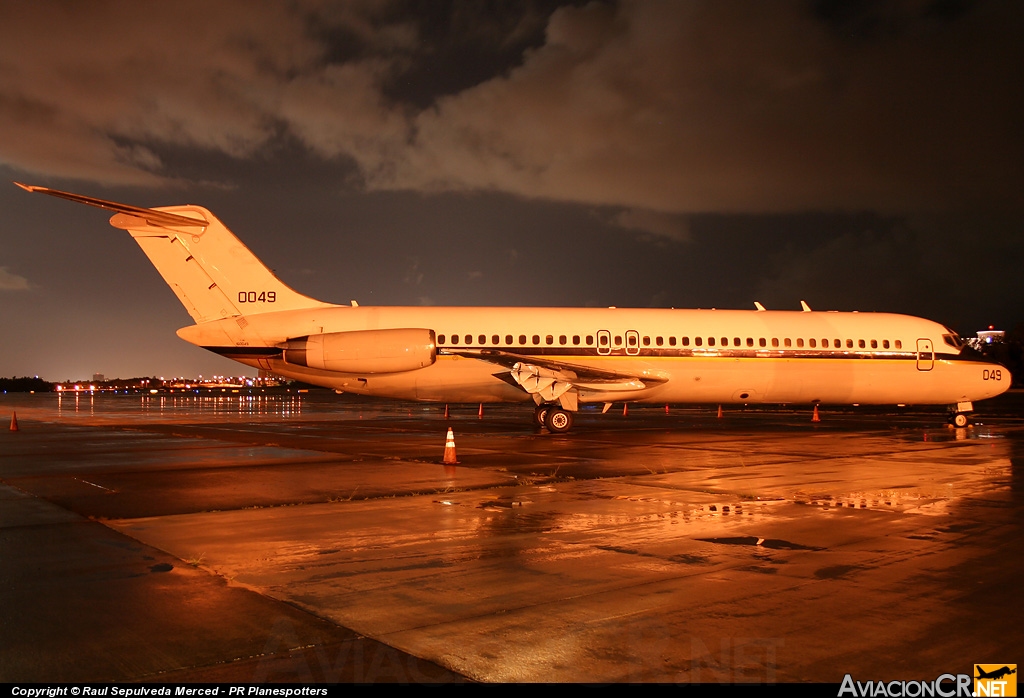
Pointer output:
x,y
654,547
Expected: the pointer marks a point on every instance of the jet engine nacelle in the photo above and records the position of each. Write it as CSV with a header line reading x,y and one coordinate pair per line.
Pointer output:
x,y
364,351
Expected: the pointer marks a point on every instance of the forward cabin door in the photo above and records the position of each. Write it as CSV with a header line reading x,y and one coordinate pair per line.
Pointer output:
x,y
925,355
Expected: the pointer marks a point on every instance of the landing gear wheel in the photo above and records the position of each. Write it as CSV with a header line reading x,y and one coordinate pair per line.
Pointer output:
x,y
540,415
960,420
557,420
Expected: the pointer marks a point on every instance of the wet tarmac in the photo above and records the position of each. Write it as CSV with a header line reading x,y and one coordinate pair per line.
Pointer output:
x,y
312,538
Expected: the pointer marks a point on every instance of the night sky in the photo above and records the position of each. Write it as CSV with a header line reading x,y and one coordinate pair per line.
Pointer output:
x,y
859,155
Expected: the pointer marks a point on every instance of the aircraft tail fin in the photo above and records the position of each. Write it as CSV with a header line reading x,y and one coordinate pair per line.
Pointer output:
x,y
213,274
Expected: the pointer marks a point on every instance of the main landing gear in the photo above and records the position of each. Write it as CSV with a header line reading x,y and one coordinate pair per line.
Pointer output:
x,y
557,420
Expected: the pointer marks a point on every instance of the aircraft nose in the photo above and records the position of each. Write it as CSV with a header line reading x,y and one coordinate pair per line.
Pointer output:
x,y
996,378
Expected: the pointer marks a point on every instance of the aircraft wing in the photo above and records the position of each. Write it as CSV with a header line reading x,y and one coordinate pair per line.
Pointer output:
x,y
553,379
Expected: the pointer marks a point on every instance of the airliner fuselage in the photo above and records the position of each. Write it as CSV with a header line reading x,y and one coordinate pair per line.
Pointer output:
x,y
675,356
556,358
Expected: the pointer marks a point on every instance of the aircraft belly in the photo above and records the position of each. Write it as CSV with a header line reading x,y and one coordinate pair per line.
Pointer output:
x,y
457,379
703,380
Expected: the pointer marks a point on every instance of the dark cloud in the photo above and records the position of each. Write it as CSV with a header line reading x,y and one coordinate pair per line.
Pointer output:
x,y
859,155
9,281
659,106
738,107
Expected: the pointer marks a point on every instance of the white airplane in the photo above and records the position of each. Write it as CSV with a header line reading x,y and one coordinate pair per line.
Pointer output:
x,y
556,358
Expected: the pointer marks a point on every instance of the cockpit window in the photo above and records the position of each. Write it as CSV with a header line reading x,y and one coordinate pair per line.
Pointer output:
x,y
953,339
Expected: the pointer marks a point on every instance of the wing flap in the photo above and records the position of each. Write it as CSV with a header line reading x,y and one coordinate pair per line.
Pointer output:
x,y
550,380
563,370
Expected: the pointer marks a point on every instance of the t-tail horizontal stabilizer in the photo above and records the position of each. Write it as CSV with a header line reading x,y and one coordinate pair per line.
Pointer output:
x,y
213,274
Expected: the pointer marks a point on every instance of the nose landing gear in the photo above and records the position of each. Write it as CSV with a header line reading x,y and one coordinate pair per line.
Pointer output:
x,y
959,414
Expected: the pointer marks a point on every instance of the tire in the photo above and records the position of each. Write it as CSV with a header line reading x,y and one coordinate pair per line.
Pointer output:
x,y
960,419
540,415
558,421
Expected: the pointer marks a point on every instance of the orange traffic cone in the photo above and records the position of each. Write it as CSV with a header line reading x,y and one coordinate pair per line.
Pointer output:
x,y
719,411
480,412
14,421
449,449
625,409
666,409
446,411
815,417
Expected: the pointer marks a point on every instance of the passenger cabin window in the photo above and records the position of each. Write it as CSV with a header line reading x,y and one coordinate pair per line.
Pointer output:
x,y
522,339
838,344
440,339
671,341
813,343
885,343
562,339
495,339
861,343
698,341
590,340
874,343
762,342
647,341
618,340
660,341
536,339
482,339
455,339
686,341
800,343
775,342
788,343
549,340
575,340
508,339
750,341
849,344
736,341
711,341
899,344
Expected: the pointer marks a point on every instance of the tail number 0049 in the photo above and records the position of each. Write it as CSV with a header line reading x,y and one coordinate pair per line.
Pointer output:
x,y
257,297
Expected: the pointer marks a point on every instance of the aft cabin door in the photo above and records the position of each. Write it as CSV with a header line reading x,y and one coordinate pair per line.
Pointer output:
x,y
925,355
604,342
